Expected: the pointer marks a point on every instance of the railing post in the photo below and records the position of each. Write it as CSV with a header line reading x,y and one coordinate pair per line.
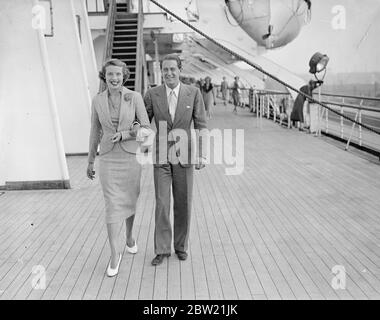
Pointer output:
x,y
341,122
352,131
360,127
261,110
263,104
282,98
250,99
318,129
321,120
288,102
257,102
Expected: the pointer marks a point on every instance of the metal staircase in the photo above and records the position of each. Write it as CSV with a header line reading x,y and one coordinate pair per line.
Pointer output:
x,y
124,46
124,38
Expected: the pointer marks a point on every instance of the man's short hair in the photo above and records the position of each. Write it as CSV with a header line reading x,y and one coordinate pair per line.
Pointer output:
x,y
175,57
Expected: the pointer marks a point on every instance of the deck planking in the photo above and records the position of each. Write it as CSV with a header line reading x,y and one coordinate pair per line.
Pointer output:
x,y
301,207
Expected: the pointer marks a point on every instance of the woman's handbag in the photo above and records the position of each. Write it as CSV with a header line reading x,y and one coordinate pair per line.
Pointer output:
x,y
146,138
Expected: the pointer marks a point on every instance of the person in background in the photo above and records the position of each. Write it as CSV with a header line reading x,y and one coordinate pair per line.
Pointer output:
x,y
236,94
208,96
224,90
200,84
297,115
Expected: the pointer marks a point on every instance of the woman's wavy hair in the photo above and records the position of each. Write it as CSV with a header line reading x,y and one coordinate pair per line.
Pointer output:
x,y
117,63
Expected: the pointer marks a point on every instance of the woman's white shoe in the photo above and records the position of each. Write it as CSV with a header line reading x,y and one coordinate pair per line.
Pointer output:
x,y
113,272
133,249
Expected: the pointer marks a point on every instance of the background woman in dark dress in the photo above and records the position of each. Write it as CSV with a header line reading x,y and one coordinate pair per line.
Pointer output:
x,y
297,112
208,96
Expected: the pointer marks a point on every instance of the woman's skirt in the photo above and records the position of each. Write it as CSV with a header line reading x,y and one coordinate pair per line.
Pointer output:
x,y
208,99
236,98
120,175
297,112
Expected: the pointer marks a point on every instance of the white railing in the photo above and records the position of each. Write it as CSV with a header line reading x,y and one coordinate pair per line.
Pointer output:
x,y
357,108
279,105
269,104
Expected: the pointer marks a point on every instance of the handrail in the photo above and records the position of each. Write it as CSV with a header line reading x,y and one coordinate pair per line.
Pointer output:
x,y
352,106
322,94
272,92
110,30
109,35
139,51
106,4
351,135
347,96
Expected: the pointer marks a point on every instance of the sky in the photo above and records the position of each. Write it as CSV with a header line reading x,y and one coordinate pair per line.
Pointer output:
x,y
356,48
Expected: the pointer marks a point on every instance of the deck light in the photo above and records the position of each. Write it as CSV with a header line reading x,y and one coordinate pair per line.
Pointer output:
x,y
318,63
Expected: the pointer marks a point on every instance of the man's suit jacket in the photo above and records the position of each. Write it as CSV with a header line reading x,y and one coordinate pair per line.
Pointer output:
x,y
190,109
102,129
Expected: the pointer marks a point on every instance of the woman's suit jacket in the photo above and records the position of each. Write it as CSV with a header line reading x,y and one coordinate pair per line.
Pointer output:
x,y
102,129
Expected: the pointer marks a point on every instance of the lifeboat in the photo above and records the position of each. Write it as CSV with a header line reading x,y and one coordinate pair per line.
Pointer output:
x,y
271,23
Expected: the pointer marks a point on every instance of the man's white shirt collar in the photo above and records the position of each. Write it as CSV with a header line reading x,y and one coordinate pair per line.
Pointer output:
x,y
176,90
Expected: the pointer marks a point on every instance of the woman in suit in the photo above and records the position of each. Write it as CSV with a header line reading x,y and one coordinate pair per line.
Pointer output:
x,y
113,126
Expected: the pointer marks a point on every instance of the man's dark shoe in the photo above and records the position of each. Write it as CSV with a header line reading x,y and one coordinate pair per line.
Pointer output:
x,y
182,255
159,258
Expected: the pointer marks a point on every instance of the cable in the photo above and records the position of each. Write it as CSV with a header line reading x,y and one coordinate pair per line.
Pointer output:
x,y
258,68
228,19
239,19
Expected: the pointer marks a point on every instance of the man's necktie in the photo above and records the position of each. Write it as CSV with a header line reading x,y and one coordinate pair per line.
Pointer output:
x,y
172,101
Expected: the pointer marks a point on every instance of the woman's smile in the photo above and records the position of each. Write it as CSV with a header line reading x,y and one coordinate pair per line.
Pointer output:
x,y
115,82
114,77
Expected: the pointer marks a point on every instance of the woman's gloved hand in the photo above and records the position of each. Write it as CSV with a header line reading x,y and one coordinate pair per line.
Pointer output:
x,y
90,171
135,129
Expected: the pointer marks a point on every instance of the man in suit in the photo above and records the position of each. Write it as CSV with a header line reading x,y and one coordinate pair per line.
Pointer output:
x,y
175,106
